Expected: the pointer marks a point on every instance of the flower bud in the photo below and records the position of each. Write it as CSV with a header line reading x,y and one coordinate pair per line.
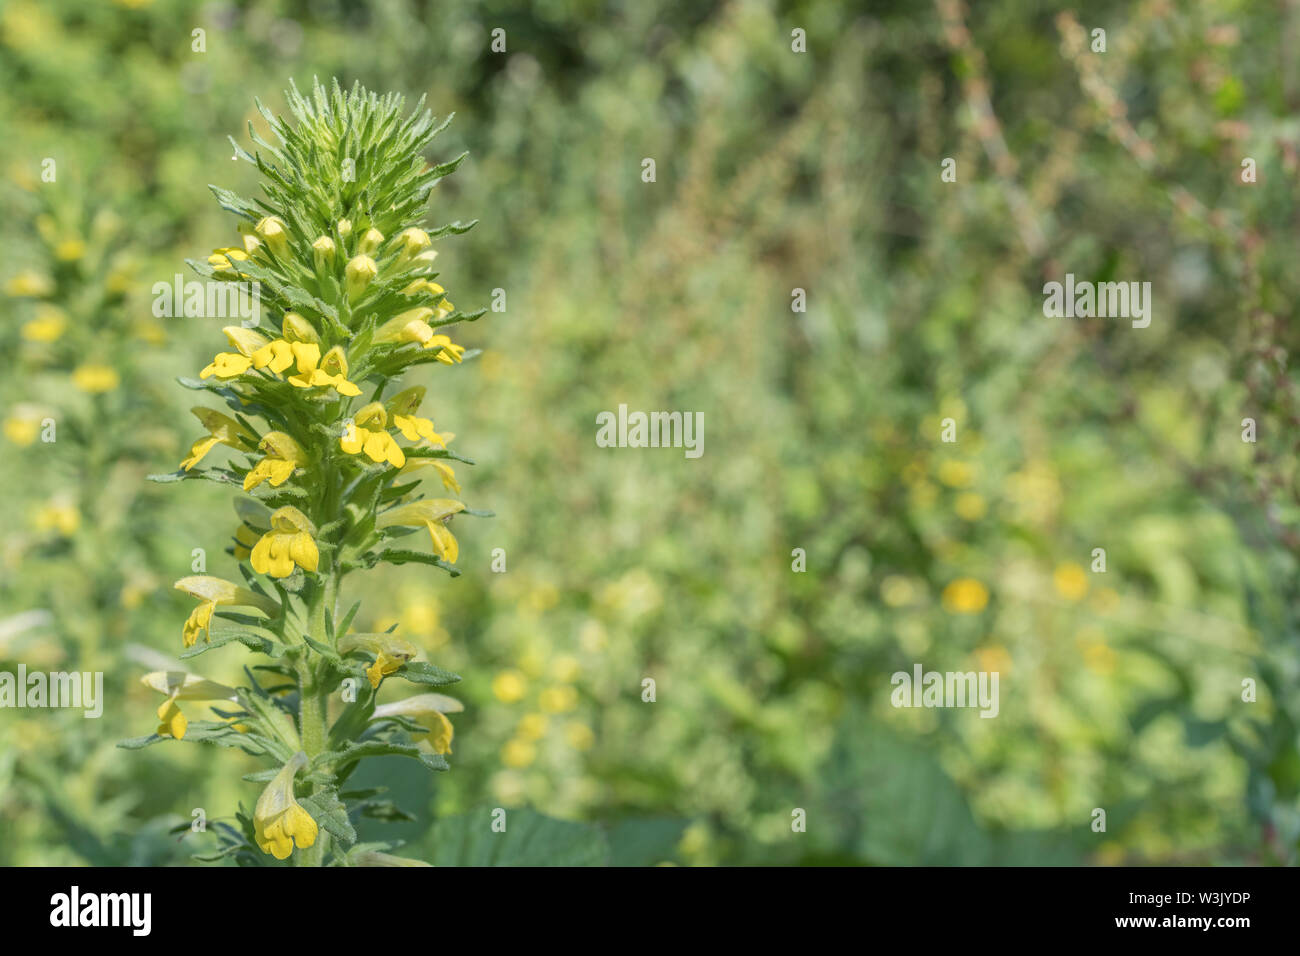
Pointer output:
x,y
370,241
323,251
360,272
271,231
295,328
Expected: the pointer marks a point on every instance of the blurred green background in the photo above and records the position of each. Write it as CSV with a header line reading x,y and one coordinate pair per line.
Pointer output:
x,y
776,170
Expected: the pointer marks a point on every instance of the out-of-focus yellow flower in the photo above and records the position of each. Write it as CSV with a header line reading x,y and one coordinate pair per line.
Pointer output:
x,y
993,659
579,735
1105,600
23,425
222,430
532,726
566,668
898,591
69,250
518,753
178,685
58,515
368,432
283,457
279,821
1071,581
965,596
95,379
29,285
956,474
509,686
1098,656
211,592
391,653
48,325
559,699
430,711
970,506
288,543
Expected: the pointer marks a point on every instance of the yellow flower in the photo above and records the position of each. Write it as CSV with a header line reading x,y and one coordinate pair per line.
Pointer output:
x,y
970,506
443,469
288,543
271,231
279,821
277,355
295,328
223,430
23,426
391,652
177,685
323,251
532,726
411,326
212,591
965,596
29,284
367,432
358,274
70,250
413,241
430,711
283,456
95,378
509,686
369,241
518,753
559,699
433,514
59,515
402,408
223,260
48,325
255,521
579,735
1071,581
230,364
315,372
956,474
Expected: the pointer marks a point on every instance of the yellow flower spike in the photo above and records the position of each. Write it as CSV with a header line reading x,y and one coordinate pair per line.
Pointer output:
x,y
48,326
322,251
368,432
290,542
283,457
279,821
271,230
430,711
222,429
413,241
358,274
370,241
390,651
178,685
433,514
212,592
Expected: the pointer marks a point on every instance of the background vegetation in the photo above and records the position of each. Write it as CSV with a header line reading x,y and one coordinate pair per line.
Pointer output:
x,y
775,170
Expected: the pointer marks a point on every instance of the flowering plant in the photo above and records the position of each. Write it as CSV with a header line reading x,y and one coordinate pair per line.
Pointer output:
x,y
349,304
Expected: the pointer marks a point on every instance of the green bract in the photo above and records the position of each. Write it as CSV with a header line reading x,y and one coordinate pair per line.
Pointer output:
x,y
326,445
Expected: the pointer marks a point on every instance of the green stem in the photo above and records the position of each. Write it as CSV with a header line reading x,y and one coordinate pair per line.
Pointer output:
x,y
313,711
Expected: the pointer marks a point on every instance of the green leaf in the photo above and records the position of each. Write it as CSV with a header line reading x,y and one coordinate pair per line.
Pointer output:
x,y
331,814
529,839
422,672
